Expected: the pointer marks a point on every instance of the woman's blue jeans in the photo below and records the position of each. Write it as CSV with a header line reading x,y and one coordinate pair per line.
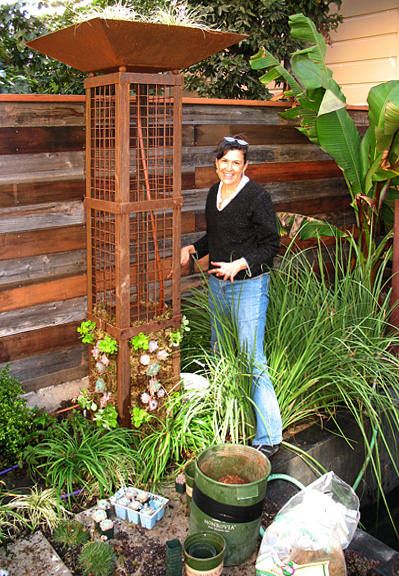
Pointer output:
x,y
245,303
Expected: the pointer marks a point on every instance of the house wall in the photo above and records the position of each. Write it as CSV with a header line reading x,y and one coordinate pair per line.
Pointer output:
x,y
365,48
42,225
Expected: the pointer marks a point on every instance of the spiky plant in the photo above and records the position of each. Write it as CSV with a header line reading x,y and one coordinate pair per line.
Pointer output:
x,y
70,533
81,455
37,508
97,559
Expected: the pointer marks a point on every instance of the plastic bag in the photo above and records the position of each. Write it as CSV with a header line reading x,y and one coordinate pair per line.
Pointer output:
x,y
311,531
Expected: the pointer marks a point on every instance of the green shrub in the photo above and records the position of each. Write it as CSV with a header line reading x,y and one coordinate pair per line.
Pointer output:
x,y
71,534
79,454
97,559
19,425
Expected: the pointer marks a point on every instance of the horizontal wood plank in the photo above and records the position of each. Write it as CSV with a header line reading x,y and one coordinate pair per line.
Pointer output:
x,y
32,318
31,269
195,156
36,342
41,216
35,140
276,172
211,135
25,194
51,368
45,167
44,241
34,294
35,113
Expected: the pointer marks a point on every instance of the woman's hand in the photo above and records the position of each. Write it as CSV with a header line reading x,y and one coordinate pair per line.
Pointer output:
x,y
228,270
185,254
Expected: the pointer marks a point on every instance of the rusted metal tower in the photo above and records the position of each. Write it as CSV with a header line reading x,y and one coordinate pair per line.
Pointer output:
x,y
133,171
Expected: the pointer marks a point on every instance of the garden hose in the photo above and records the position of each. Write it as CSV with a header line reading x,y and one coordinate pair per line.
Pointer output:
x,y
287,478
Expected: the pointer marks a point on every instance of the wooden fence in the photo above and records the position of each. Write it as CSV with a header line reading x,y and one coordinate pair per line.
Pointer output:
x,y
42,227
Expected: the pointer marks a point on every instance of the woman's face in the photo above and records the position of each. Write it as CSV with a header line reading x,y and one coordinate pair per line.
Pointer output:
x,y
231,167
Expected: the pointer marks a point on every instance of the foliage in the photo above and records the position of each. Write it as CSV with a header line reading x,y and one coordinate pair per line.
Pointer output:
x,y
106,417
81,455
31,510
370,165
10,519
185,431
87,332
70,533
38,508
97,559
140,341
228,74
25,71
222,411
139,416
329,345
224,75
103,375
19,425
358,565
108,345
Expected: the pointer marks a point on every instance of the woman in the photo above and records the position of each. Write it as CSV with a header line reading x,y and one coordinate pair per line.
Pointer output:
x,y
241,240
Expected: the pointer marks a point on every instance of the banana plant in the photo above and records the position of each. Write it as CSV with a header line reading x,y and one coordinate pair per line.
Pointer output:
x,y
369,164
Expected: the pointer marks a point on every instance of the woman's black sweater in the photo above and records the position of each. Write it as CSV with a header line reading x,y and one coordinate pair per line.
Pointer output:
x,y
245,228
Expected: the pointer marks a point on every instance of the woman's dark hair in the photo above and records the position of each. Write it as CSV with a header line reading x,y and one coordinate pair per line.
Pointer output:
x,y
236,142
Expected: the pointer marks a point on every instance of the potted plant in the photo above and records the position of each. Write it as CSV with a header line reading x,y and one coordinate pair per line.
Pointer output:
x,y
104,40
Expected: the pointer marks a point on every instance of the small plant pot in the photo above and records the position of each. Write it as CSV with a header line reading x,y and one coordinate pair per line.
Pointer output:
x,y
133,513
180,488
189,472
148,517
121,507
98,516
104,505
107,528
204,553
173,558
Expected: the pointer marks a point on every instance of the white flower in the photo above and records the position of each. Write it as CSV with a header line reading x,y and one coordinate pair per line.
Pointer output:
x,y
162,355
145,398
145,359
153,404
152,346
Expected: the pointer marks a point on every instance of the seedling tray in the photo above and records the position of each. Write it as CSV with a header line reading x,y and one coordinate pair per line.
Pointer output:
x,y
149,502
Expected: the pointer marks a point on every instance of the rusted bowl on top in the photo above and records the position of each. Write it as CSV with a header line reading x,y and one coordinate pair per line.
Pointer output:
x,y
100,45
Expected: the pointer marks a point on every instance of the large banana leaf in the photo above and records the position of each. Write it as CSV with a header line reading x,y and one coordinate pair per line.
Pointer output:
x,y
304,29
277,72
305,227
378,99
370,166
338,136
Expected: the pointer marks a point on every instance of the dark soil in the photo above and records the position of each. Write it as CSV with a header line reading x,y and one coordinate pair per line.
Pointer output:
x,y
139,554
132,559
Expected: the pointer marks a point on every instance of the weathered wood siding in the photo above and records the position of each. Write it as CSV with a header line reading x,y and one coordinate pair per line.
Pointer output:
x,y
42,228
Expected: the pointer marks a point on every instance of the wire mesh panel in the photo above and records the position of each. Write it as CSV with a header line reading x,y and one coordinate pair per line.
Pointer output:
x,y
102,142
151,114
146,126
133,207
102,225
151,181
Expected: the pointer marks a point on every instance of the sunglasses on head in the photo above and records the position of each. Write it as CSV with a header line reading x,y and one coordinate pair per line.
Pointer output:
x,y
238,140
